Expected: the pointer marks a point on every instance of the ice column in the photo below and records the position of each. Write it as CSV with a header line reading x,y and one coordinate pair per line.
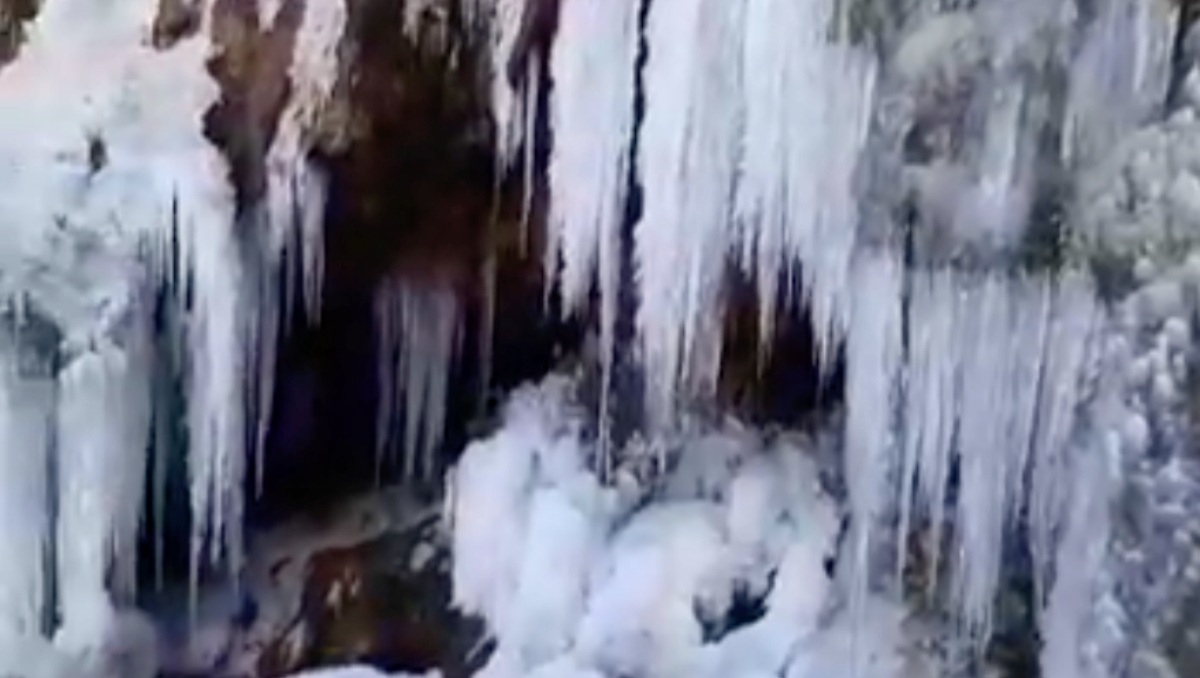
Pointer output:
x,y
418,335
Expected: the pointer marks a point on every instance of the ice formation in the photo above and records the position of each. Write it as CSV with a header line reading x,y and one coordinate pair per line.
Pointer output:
x,y
592,92
807,112
360,672
294,207
417,326
26,401
687,165
116,198
974,409
108,158
579,579
986,395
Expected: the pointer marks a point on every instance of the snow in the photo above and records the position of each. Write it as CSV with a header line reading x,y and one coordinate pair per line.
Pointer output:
x,y
579,579
360,672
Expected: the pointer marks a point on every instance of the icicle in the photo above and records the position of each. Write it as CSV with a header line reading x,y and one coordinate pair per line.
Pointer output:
x,y
295,204
1119,76
930,410
873,354
593,69
808,104
296,187
217,427
1079,554
103,438
505,21
984,351
996,424
1073,326
26,411
417,333
487,324
688,163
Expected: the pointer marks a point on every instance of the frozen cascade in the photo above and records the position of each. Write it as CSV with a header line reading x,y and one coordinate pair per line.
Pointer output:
x,y
742,99
807,109
688,163
1002,358
591,106
992,381
418,333
108,155
1000,348
113,189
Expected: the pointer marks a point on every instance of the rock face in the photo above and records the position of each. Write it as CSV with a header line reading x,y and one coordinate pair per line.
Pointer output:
x,y
385,603
365,581
13,15
250,64
413,195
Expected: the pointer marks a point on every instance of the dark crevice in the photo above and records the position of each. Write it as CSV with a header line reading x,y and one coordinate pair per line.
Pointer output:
x,y
628,382
745,608
1184,56
14,14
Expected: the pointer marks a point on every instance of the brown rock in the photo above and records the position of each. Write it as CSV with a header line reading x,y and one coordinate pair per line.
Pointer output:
x,y
176,20
13,16
251,66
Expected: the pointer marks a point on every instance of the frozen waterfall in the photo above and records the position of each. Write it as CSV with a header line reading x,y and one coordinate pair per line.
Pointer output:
x,y
114,197
986,210
775,138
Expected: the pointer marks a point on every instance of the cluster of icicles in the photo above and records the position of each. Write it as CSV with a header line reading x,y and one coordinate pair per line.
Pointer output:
x,y
965,383
165,307
123,241
758,115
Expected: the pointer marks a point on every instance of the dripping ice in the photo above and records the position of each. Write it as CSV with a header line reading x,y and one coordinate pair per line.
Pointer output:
x,y
417,327
970,374
96,235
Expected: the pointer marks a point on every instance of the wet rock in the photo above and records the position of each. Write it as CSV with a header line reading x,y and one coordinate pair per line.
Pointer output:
x,y
370,604
175,20
14,14
250,64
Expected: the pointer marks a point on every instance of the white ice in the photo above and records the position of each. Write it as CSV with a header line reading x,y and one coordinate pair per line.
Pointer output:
x,y
418,331
807,107
26,426
577,579
591,108
687,164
